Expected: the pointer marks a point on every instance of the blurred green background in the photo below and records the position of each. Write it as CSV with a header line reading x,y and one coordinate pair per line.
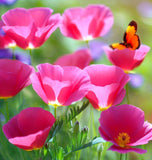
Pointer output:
x,y
124,11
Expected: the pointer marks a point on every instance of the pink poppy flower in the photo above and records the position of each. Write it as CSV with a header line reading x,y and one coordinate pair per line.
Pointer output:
x,y
107,84
86,23
30,28
14,77
124,126
60,86
81,58
127,59
29,129
5,40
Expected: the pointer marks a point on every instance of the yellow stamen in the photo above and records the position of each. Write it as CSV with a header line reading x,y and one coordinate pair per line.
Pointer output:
x,y
55,104
104,108
6,97
122,140
34,149
128,71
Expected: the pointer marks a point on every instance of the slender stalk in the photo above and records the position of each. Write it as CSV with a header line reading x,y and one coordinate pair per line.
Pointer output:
x,y
99,155
141,157
55,115
13,49
105,146
55,112
37,154
5,155
99,149
7,110
127,93
123,156
91,125
30,52
93,122
21,155
87,42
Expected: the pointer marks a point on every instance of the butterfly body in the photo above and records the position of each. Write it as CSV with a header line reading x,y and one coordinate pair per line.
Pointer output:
x,y
131,39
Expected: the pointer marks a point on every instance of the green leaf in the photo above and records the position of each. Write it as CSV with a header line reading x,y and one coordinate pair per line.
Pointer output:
x,y
56,127
98,140
45,151
93,142
74,111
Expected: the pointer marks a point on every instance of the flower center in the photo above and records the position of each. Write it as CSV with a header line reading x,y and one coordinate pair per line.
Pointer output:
x,y
55,104
103,108
30,46
122,140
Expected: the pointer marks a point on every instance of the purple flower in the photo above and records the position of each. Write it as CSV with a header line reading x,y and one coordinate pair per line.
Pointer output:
x,y
96,48
8,54
2,118
145,9
2,33
23,57
136,80
7,2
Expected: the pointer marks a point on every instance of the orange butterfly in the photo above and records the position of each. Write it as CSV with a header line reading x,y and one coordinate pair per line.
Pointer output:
x,y
131,39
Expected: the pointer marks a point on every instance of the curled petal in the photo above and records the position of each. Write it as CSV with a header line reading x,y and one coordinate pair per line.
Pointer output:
x,y
60,86
14,77
107,84
86,23
81,58
127,59
29,129
123,151
124,129
30,28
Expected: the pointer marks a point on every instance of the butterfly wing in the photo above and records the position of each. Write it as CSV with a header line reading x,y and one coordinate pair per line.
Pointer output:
x,y
119,46
131,39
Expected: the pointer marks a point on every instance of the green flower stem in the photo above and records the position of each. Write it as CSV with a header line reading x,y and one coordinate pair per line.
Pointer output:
x,y
13,49
30,52
92,123
105,146
87,42
55,112
20,153
141,157
4,153
37,154
123,156
127,93
7,110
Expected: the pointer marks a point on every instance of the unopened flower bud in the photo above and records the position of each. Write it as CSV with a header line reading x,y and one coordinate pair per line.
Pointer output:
x,y
76,128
